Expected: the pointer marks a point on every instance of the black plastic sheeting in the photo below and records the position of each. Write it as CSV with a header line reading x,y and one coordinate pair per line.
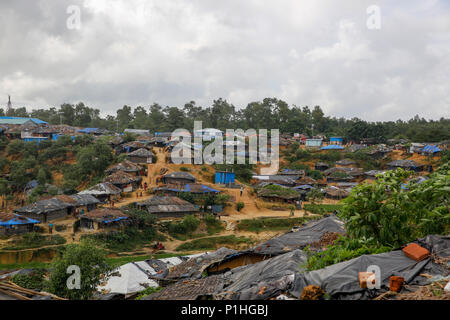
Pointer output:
x,y
308,234
262,280
341,282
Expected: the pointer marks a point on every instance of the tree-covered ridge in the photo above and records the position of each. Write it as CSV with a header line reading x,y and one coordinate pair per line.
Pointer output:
x,y
270,113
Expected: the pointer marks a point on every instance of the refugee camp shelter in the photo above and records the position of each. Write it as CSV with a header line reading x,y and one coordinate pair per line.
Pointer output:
x,y
336,140
178,177
292,172
313,143
332,147
430,149
278,193
128,167
141,156
340,280
92,131
140,132
196,189
416,147
336,193
21,121
321,166
102,191
11,224
345,163
46,210
132,146
167,207
102,218
124,181
409,165
223,177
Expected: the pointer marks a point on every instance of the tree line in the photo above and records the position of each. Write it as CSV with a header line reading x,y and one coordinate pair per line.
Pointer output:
x,y
270,113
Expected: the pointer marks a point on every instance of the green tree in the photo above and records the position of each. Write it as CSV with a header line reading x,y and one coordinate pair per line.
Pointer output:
x,y
92,263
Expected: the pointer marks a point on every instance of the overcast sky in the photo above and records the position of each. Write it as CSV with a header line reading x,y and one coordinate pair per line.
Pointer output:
x,y
305,52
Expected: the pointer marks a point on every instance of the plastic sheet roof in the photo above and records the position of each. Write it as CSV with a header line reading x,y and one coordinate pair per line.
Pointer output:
x,y
332,147
15,219
431,149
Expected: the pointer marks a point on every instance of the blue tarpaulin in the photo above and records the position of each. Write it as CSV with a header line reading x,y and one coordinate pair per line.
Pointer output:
x,y
431,149
332,147
89,130
114,220
17,220
187,188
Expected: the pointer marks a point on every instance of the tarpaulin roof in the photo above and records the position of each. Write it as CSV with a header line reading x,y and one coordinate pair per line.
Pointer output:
x,y
341,280
431,149
262,280
10,219
310,233
194,267
332,147
193,188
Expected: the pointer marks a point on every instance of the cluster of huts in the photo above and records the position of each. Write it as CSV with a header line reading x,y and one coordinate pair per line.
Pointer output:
x,y
276,269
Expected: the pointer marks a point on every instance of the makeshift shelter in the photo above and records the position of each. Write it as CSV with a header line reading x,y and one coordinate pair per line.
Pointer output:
x,y
278,193
332,147
128,167
313,143
191,289
124,181
321,166
11,224
284,180
416,147
140,132
102,218
194,267
222,177
371,175
46,210
132,146
345,163
263,280
379,151
306,180
292,172
163,207
409,165
336,140
85,202
309,233
178,178
340,280
431,150
141,156
195,189
355,148
102,191
336,193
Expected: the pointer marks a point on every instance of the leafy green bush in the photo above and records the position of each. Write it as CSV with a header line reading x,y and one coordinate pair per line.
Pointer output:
x,y
240,206
213,225
344,249
393,213
92,263
33,281
185,227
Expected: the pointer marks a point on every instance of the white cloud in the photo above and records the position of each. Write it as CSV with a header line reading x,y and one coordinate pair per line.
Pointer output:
x,y
138,52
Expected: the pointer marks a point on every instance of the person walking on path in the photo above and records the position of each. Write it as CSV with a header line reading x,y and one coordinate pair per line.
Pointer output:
x,y
242,190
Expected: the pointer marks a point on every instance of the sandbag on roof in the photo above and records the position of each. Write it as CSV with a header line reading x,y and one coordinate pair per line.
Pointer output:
x,y
262,280
341,280
308,234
